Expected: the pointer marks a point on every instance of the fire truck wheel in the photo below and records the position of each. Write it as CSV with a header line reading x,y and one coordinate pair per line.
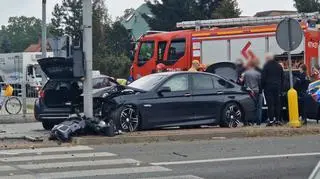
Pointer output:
x,y
231,116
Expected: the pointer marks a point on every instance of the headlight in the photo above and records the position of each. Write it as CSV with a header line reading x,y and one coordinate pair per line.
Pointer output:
x,y
105,95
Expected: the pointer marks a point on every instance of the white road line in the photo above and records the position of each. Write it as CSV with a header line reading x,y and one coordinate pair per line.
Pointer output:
x,y
43,150
78,164
235,159
90,173
6,168
176,177
53,157
315,173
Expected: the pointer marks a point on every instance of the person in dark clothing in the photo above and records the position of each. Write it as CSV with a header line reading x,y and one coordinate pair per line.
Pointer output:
x,y
75,93
301,86
271,83
240,68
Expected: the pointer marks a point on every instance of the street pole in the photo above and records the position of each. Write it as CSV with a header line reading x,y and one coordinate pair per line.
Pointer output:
x,y
293,106
44,36
87,49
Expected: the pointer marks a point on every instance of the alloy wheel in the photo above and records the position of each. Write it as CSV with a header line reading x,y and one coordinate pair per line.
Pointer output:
x,y
233,116
129,119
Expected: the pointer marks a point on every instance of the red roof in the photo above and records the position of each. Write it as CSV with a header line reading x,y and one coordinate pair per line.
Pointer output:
x,y
36,47
33,48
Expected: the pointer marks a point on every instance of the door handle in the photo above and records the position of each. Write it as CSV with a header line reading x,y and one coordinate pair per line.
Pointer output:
x,y
187,95
220,92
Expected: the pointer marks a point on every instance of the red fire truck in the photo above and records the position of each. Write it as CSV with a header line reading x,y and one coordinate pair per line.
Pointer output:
x,y
247,37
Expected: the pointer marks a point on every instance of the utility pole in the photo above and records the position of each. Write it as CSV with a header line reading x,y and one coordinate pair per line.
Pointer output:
x,y
44,36
87,49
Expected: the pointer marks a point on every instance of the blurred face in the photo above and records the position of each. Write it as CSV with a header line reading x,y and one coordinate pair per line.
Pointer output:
x,y
196,65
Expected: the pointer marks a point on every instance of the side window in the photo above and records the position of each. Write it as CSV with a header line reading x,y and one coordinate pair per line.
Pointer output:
x,y
219,83
161,50
178,83
202,82
146,52
177,50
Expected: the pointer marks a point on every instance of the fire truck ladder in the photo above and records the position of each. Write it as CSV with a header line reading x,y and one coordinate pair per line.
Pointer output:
x,y
246,21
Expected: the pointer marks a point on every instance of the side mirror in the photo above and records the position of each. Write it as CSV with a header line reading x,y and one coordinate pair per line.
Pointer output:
x,y
164,89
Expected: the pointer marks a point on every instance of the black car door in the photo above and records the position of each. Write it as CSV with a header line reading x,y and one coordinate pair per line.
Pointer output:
x,y
171,107
208,96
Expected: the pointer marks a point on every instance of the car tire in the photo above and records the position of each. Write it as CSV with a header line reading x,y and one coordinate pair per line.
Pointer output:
x,y
47,125
127,119
231,116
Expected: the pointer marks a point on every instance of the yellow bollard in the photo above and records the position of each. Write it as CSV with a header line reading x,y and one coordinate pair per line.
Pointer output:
x,y
293,110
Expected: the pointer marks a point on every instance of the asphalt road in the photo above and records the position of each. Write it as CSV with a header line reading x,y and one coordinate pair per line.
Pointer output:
x,y
293,157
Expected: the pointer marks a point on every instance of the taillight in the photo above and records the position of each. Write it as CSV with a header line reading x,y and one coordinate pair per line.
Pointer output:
x,y
41,94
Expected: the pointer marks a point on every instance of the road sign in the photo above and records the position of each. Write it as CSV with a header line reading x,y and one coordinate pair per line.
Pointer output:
x,y
289,34
289,37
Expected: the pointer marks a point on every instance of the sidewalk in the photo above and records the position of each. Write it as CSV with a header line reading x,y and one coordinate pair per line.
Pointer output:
x,y
213,133
14,135
14,119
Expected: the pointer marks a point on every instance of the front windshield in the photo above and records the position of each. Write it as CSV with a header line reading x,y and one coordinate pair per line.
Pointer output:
x,y
147,83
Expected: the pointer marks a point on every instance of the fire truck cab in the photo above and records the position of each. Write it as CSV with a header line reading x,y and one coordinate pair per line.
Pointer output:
x,y
177,49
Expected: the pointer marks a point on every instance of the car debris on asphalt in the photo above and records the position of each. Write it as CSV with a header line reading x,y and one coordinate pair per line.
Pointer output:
x,y
79,124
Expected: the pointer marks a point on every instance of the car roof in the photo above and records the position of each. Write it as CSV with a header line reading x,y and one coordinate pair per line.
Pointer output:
x,y
183,72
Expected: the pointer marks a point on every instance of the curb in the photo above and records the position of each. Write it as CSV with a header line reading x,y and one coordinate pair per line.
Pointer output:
x,y
196,134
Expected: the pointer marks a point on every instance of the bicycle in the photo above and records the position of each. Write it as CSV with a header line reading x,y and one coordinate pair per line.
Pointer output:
x,y
11,104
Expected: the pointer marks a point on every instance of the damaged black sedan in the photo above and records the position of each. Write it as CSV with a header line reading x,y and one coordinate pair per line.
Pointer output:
x,y
178,99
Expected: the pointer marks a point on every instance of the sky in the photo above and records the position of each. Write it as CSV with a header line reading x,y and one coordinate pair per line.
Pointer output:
x,y
116,7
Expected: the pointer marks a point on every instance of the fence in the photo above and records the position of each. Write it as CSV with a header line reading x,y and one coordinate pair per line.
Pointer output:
x,y
19,106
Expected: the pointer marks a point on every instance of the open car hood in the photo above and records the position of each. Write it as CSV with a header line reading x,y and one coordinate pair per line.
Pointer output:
x,y
57,67
227,70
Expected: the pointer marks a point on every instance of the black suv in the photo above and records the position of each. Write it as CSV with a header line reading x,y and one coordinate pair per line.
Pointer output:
x,y
62,91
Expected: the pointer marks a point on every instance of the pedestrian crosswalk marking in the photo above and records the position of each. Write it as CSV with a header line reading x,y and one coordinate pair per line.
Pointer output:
x,y
6,168
84,162
54,157
78,164
175,177
92,173
44,150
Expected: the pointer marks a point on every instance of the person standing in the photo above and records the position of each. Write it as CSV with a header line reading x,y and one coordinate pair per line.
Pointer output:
x,y
195,66
252,80
240,68
301,86
271,84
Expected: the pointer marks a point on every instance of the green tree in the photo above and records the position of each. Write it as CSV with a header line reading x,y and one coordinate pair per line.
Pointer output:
x,y
67,19
21,32
110,41
307,5
168,12
227,9
5,46
118,39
